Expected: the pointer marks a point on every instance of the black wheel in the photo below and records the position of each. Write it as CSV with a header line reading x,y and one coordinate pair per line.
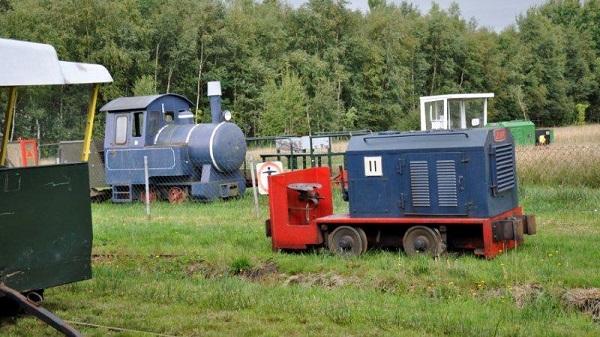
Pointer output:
x,y
422,240
8,307
35,296
345,241
363,237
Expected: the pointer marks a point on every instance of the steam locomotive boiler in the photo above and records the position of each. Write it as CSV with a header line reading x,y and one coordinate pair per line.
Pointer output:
x,y
422,191
183,159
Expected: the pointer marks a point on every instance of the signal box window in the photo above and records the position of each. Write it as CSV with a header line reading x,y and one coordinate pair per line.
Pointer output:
x,y
138,124
121,131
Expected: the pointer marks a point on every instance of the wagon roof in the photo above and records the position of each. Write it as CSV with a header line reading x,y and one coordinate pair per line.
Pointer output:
x,y
518,122
26,64
136,102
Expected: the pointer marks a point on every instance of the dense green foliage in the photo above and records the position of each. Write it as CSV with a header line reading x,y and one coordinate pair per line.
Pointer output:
x,y
318,67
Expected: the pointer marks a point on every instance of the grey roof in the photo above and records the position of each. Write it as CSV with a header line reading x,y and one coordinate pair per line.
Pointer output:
x,y
433,139
135,102
26,63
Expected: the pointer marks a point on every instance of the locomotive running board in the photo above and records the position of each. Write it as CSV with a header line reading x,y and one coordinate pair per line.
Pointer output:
x,y
39,312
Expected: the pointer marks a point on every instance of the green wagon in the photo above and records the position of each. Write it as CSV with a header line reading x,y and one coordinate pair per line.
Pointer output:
x,y
45,211
523,131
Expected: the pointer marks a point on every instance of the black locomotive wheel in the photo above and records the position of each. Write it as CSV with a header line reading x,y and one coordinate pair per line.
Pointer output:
x,y
422,240
345,241
363,237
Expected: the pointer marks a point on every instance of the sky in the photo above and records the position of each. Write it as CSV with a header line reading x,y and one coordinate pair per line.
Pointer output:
x,y
496,14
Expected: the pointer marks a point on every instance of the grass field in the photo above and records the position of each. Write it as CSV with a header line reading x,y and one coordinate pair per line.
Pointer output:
x,y
208,270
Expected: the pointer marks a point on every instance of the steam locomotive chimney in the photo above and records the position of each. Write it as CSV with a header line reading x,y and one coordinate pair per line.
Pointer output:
x,y
214,96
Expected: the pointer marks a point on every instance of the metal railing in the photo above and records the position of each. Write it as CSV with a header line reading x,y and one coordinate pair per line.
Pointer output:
x,y
307,157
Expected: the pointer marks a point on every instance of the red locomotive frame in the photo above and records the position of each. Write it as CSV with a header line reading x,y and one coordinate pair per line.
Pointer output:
x,y
302,216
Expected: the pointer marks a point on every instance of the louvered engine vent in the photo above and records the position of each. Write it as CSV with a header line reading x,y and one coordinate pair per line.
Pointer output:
x,y
419,183
446,183
505,167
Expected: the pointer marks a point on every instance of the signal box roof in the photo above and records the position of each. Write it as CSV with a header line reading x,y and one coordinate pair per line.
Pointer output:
x,y
27,64
137,102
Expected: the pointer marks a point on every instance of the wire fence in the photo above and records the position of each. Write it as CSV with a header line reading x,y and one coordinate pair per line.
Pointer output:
x,y
168,179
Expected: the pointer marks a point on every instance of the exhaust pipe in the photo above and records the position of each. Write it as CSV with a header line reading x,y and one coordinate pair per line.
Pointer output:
x,y
214,96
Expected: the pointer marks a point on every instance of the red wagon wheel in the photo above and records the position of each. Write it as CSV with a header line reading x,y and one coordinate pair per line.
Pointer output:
x,y
153,196
177,195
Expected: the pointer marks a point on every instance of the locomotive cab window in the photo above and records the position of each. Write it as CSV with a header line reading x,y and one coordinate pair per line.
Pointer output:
x,y
454,111
436,118
474,113
169,116
138,124
121,130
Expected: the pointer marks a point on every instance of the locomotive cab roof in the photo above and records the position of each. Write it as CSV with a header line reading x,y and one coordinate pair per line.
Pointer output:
x,y
138,102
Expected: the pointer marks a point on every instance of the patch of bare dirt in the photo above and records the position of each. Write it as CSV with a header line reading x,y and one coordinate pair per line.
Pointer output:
x,y
262,272
586,300
523,294
269,272
109,257
327,280
203,268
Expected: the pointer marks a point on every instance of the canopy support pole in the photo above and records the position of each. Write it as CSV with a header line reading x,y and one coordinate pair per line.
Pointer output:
x,y
8,121
89,125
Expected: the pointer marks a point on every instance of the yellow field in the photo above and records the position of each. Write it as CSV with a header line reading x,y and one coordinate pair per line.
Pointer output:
x,y
573,158
578,135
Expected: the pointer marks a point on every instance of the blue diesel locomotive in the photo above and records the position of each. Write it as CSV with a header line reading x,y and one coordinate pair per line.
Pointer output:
x,y
183,159
422,191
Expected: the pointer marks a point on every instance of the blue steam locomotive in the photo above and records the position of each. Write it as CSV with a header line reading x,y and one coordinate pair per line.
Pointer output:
x,y
183,159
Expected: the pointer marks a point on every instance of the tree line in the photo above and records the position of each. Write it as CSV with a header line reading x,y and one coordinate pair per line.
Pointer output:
x,y
319,67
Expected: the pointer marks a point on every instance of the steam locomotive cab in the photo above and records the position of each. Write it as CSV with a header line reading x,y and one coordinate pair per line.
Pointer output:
x,y
183,159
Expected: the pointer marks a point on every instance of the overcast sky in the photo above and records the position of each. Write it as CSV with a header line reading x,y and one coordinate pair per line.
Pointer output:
x,y
496,14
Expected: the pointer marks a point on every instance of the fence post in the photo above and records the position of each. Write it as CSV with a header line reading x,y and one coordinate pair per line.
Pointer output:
x,y
254,189
147,183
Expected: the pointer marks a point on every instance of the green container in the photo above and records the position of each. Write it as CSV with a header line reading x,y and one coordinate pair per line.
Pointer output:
x,y
523,131
45,226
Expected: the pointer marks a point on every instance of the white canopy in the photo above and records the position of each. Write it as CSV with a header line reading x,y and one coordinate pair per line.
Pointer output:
x,y
27,63
456,96
437,114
